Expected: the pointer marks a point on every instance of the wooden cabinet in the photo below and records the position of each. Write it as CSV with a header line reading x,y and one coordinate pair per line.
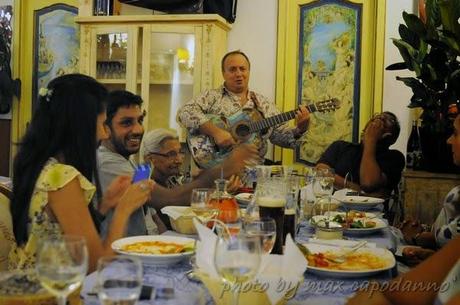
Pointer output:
x,y
424,192
167,59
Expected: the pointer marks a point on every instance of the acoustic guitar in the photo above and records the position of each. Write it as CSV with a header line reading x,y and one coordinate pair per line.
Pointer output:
x,y
246,126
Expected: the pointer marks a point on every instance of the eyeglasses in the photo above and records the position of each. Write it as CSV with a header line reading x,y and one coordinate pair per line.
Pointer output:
x,y
170,154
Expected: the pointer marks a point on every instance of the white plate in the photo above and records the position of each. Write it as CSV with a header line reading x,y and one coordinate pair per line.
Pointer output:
x,y
244,198
380,252
361,202
154,259
379,224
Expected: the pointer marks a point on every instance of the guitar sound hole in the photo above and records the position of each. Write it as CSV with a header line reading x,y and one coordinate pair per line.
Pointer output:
x,y
242,130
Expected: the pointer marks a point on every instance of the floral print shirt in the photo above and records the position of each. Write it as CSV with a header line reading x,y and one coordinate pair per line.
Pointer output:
x,y
53,177
447,224
225,103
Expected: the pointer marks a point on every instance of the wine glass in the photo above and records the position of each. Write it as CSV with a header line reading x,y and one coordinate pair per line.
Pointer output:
x,y
237,260
265,230
202,206
307,194
323,183
62,263
119,280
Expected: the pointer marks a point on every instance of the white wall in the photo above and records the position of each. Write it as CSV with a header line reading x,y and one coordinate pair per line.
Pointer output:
x,y
255,31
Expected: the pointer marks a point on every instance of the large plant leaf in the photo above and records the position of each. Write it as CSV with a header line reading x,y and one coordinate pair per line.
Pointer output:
x,y
408,36
451,40
397,66
414,24
432,14
417,87
407,52
449,16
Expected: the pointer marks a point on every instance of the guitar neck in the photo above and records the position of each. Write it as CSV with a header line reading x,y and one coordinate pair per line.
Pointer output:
x,y
278,119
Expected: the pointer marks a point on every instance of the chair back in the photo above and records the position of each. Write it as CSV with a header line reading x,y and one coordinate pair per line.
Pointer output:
x,y
7,239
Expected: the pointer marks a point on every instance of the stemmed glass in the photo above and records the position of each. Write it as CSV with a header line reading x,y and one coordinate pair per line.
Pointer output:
x,y
323,183
265,230
62,263
307,194
237,260
201,205
119,280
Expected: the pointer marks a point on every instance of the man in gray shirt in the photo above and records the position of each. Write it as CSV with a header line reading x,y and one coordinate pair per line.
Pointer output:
x,y
124,122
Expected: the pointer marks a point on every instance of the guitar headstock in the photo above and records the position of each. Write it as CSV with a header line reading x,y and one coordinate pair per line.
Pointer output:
x,y
328,105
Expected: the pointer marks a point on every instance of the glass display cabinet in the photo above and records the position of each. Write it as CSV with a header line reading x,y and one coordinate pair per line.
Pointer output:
x,y
167,59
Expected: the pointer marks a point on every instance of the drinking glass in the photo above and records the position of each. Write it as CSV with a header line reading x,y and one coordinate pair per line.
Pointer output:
x,y
307,194
201,205
265,230
237,260
323,184
62,263
119,280
270,196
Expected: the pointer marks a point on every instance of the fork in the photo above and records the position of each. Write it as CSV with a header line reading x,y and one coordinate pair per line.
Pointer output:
x,y
342,258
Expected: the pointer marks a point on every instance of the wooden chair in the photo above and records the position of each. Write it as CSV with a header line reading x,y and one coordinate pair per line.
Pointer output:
x,y
6,226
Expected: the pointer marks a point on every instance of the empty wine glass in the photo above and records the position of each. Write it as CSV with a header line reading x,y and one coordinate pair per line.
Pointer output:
x,y
323,184
201,205
62,263
237,260
119,280
265,230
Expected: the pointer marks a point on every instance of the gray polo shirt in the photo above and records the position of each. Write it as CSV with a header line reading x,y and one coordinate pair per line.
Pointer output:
x,y
110,165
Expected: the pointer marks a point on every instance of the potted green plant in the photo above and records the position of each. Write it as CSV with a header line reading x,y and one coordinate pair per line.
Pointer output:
x,y
430,47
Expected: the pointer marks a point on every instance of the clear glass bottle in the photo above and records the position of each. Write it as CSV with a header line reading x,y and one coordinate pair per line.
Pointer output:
x,y
227,206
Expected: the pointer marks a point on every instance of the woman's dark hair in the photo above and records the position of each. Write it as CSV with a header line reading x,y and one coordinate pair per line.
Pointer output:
x,y
64,125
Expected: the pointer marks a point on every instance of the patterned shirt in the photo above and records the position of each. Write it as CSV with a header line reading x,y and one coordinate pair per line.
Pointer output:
x,y
53,177
447,224
225,103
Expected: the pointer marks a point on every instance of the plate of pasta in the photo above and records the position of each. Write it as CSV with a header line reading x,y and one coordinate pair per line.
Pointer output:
x,y
156,249
322,260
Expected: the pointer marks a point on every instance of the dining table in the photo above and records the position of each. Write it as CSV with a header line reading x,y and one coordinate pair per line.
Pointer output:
x,y
313,290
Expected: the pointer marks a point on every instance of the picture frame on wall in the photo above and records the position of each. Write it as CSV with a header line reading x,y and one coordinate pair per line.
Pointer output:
x,y
56,45
6,55
329,50
329,68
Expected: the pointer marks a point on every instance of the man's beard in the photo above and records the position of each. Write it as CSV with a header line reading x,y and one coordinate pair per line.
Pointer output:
x,y
121,148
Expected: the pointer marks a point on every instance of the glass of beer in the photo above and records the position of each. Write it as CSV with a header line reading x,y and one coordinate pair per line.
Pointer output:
x,y
271,198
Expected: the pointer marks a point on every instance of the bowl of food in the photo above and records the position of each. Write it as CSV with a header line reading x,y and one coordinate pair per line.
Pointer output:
x,y
156,249
181,219
327,229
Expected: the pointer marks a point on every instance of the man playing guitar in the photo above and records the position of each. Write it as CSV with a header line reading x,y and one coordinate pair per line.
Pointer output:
x,y
234,96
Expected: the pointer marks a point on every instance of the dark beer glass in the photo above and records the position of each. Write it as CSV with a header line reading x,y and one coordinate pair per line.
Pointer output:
x,y
274,208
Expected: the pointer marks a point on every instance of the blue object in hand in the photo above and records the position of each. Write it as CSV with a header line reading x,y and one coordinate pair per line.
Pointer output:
x,y
143,172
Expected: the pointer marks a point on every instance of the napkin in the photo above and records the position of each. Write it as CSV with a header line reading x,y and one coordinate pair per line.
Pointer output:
x,y
280,274
177,211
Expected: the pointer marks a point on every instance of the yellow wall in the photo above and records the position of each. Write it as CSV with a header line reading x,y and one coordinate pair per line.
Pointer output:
x,y
23,45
